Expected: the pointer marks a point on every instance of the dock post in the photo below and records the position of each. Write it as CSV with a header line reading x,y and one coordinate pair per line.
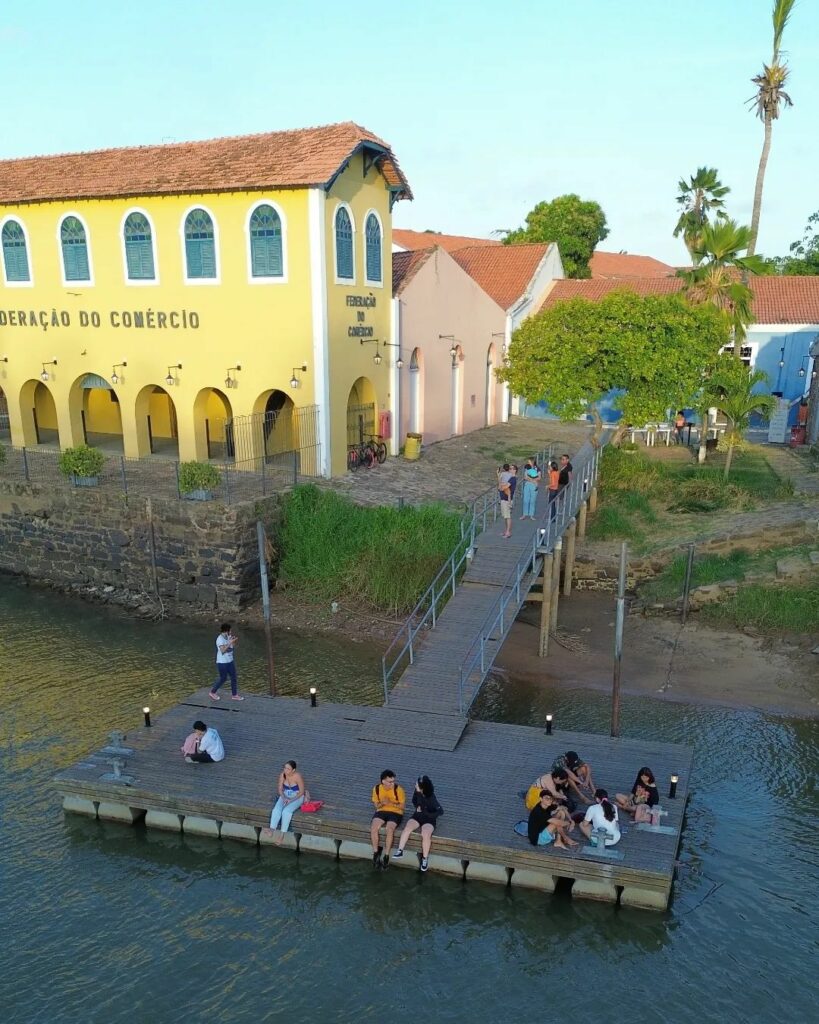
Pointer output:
x,y
581,520
555,584
593,499
568,568
546,605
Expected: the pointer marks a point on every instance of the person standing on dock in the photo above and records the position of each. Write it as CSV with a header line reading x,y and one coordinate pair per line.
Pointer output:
x,y
554,488
209,746
505,493
389,799
531,479
225,664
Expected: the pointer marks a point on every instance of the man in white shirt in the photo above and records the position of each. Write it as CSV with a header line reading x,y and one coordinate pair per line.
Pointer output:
x,y
225,665
209,746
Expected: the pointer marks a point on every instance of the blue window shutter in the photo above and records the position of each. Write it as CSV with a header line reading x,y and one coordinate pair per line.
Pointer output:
x,y
200,245
373,246
344,245
139,254
266,249
15,256
75,250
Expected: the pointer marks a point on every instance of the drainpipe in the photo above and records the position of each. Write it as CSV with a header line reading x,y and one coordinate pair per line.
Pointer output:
x,y
395,377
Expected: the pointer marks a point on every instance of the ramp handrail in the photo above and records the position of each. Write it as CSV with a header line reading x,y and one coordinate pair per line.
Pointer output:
x,y
445,582
585,469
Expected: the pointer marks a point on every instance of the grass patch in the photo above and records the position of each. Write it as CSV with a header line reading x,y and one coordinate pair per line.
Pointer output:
x,y
381,558
610,523
770,608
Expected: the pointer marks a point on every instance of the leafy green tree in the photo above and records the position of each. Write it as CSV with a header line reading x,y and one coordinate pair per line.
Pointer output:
x,y
652,349
804,254
577,225
702,195
730,387
768,101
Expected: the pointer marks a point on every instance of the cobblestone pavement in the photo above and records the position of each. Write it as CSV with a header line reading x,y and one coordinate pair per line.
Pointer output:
x,y
458,469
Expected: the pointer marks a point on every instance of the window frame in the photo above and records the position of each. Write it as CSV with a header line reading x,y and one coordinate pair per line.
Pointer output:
x,y
17,284
66,283
367,279
217,278
283,278
348,281
142,282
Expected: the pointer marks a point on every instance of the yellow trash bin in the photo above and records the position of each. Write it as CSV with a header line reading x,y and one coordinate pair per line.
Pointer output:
x,y
412,447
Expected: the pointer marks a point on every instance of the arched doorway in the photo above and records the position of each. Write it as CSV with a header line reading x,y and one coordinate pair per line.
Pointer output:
x,y
360,411
96,419
213,425
5,425
277,424
457,424
416,391
38,414
491,380
156,426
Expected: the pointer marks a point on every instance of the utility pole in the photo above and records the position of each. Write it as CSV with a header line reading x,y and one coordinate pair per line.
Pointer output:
x,y
261,539
618,644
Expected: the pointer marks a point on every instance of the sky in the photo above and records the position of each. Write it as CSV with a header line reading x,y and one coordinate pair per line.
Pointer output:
x,y
489,106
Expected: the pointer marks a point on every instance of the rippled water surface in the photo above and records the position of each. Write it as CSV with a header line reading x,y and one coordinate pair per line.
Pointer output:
x,y
105,924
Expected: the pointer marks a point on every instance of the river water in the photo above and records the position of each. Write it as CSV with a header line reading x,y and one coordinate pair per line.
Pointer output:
x,y
103,923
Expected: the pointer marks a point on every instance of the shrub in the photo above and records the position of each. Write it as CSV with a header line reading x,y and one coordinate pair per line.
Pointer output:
x,y
791,609
82,461
198,476
708,493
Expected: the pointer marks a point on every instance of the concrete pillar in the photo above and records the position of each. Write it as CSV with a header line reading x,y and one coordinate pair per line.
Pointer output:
x,y
648,899
568,568
593,499
555,585
594,890
581,520
545,606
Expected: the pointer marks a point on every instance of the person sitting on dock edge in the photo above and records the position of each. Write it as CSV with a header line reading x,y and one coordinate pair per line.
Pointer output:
x,y
642,798
426,814
209,746
389,799
225,663
547,826
602,815
291,796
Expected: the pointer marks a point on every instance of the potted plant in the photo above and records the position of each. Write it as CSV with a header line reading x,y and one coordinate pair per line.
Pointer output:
x,y
82,465
197,480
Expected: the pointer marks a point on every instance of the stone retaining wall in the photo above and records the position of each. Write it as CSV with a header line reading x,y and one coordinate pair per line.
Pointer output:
x,y
204,554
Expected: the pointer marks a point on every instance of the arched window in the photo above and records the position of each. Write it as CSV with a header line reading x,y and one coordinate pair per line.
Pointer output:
x,y
200,245
74,247
266,250
139,249
372,236
15,254
345,268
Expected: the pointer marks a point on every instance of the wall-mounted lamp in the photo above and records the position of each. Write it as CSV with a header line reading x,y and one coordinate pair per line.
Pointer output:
x,y
399,362
295,381
170,380
4,359
115,377
781,357
453,348
803,369
377,357
147,713
313,698
45,374
549,725
231,382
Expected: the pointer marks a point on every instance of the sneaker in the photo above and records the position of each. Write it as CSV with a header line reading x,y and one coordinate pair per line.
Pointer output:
x,y
397,854
236,697
425,863
189,759
214,696
377,858
385,862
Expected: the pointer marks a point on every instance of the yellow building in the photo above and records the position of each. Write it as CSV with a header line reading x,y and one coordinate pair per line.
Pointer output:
x,y
226,299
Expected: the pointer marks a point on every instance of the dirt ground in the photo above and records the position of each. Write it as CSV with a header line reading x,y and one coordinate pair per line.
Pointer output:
x,y
696,664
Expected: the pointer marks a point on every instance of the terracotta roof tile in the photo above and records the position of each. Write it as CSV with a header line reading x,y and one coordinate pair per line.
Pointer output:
x,y
405,265
625,265
777,300
425,239
503,271
289,159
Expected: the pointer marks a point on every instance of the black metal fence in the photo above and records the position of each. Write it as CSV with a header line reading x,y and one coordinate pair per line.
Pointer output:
x,y
157,477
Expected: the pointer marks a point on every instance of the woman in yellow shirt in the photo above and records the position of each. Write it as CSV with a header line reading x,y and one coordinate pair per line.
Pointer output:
x,y
389,800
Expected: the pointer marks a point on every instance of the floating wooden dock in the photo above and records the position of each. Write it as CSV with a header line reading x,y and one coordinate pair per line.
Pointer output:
x,y
342,750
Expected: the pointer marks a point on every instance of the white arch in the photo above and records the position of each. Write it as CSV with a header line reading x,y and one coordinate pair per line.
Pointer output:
x,y
283,220
217,253
80,284
377,215
416,392
29,254
337,279
142,282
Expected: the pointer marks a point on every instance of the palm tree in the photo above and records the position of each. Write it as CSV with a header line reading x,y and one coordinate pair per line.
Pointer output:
x,y
702,194
768,101
731,387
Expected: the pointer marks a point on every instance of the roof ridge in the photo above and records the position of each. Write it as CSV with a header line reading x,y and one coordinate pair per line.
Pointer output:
x,y
512,245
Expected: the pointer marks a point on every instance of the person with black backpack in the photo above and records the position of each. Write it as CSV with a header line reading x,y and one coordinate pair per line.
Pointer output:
x,y
426,814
